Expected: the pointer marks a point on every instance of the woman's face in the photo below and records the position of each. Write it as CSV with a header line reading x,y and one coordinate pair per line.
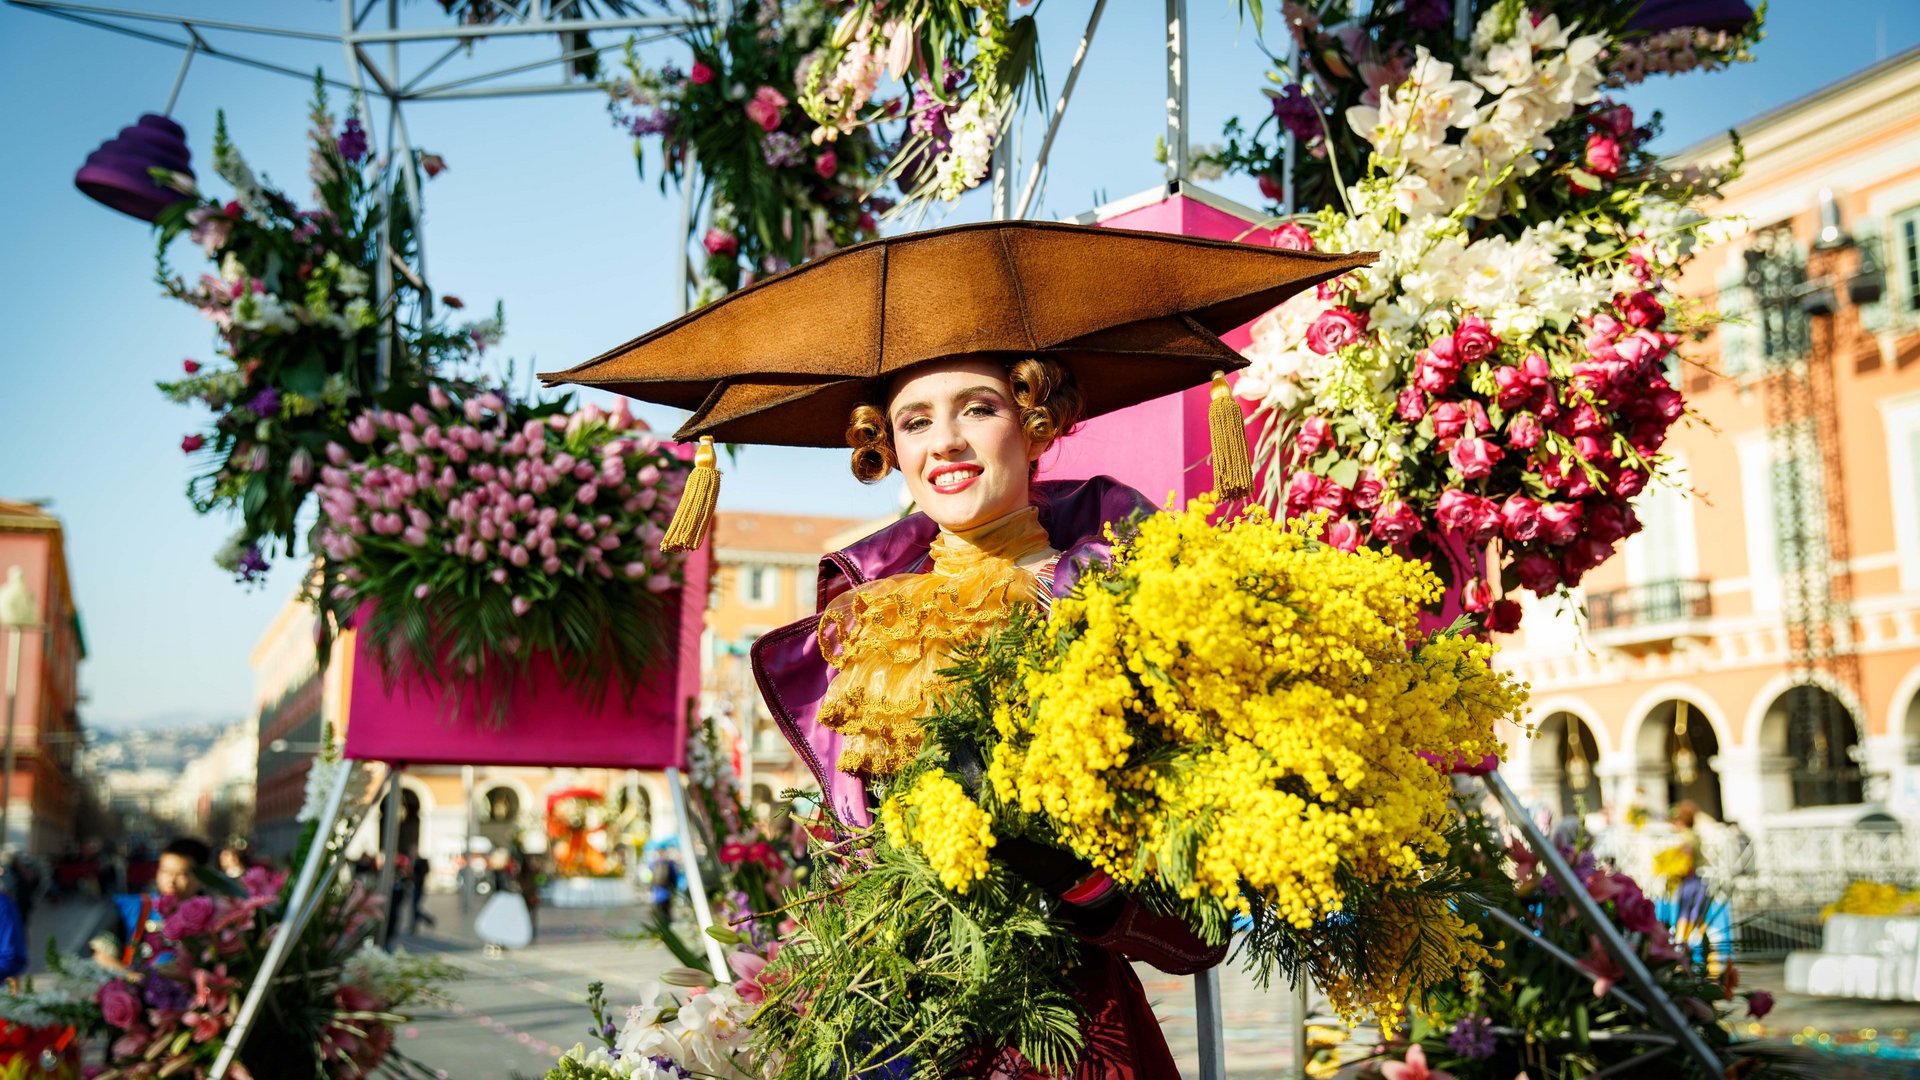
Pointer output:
x,y
957,435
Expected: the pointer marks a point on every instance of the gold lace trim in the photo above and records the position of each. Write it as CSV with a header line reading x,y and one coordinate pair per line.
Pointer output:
x,y
890,638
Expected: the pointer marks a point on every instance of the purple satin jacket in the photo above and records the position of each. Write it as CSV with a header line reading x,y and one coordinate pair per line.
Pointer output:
x,y
793,676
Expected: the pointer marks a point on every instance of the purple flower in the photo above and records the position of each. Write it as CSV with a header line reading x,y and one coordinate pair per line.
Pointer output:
x,y
781,149
353,142
1297,113
265,403
1472,1038
657,122
252,565
166,994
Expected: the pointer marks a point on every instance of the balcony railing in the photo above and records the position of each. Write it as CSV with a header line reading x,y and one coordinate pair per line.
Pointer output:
x,y
1648,613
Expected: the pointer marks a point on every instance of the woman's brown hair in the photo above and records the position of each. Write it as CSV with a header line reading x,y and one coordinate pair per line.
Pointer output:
x,y
1045,392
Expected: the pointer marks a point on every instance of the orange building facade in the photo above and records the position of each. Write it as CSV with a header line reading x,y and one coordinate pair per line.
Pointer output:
x,y
1756,647
47,738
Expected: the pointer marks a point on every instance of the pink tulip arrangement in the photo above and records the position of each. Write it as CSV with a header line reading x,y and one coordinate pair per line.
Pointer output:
x,y
470,535
290,292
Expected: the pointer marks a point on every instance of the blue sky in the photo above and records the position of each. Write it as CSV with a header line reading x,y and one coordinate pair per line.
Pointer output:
x,y
541,209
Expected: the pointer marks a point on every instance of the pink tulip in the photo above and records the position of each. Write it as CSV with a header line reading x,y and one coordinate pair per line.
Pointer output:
x,y
520,605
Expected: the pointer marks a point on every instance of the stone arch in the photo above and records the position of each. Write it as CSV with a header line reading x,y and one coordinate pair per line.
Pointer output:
x,y
1764,698
1821,736
1703,705
1903,710
1564,770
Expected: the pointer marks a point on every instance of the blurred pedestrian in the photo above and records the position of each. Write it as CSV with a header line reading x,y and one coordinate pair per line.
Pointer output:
x,y
419,869
666,882
528,879
176,874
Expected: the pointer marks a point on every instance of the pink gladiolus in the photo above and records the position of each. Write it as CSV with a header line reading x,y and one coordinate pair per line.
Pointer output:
x,y
1336,328
1473,458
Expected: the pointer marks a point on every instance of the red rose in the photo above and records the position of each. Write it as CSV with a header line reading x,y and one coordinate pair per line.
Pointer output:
x,y
1474,341
1629,483
1585,553
1477,596
1603,156
1473,458
701,74
1290,236
1537,573
1336,328
1616,120
1434,377
826,165
1367,492
1523,432
1642,310
1668,403
721,242
1396,523
1315,435
1343,534
192,442
1520,519
1473,516
1504,617
1591,449
1330,497
1610,521
1270,187
1302,488
1560,521
1412,405
190,366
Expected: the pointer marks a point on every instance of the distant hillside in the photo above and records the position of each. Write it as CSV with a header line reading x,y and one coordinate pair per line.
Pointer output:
x,y
167,749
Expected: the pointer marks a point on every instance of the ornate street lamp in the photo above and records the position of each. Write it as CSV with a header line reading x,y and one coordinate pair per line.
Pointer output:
x,y
1686,764
19,613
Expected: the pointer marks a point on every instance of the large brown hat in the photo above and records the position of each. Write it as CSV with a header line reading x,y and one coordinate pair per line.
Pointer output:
x,y
1134,315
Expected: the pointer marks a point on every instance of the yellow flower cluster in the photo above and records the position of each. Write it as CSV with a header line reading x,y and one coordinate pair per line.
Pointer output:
x,y
1675,864
1241,705
1874,898
950,830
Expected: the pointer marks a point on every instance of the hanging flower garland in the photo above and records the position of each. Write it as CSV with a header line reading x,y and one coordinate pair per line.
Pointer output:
x,y
299,327
777,198
469,536
1507,371
965,68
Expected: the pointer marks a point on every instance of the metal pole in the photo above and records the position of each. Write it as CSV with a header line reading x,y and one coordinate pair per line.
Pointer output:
x,y
1059,111
1213,1038
1289,144
289,930
1176,90
1300,1025
689,179
173,95
466,842
6,778
696,886
1660,1006
1463,19
389,848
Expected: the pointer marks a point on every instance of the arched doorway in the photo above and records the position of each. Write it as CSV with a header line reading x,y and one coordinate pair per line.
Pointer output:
x,y
1820,736
500,815
409,837
1571,752
1677,743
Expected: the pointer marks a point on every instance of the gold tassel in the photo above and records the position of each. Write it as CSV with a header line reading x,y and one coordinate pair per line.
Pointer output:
x,y
688,530
1232,463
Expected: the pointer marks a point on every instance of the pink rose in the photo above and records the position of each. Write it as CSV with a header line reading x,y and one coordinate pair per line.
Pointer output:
x,y
119,1004
1367,492
1302,488
1520,519
1449,421
1477,596
1642,310
1343,534
701,74
1473,458
1336,328
191,919
721,242
1629,483
766,108
1433,377
1667,403
1586,552
1330,497
1474,341
1603,156
1504,617
1396,523
1523,432
1290,236
1315,435
1538,573
1412,405
826,165
1473,516
1560,521
1515,389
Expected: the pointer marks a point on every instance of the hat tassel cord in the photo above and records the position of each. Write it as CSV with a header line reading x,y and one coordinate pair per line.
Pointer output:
x,y
688,530
1232,461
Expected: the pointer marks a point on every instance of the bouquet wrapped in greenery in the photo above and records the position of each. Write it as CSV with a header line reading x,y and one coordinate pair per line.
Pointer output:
x,y
1227,720
471,535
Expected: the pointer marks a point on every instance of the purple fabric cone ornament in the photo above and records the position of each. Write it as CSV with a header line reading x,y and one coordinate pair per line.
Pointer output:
x,y
1657,15
116,174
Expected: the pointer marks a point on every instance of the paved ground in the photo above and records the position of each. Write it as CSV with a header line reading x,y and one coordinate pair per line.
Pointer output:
x,y
514,1012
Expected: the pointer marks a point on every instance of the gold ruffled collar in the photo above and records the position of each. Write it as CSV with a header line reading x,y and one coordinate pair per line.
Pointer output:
x,y
890,638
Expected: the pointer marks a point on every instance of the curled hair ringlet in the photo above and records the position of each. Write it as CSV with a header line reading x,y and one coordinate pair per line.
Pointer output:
x,y
1050,403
